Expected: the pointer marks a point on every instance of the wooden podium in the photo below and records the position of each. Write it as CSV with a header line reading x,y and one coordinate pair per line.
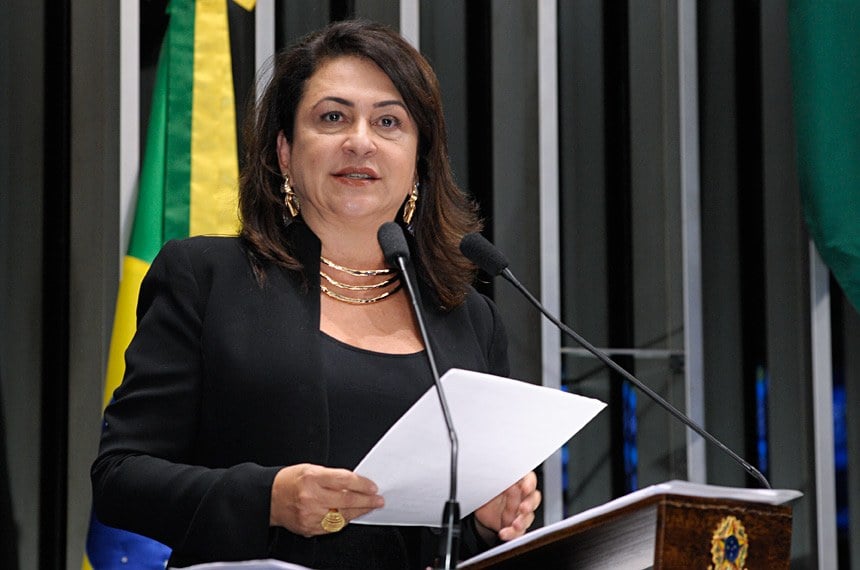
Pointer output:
x,y
671,525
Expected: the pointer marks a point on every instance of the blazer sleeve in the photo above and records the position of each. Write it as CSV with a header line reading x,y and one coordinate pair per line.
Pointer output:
x,y
145,478
497,353
485,323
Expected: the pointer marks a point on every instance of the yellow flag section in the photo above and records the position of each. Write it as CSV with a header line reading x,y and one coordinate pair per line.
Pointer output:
x,y
188,186
133,270
214,166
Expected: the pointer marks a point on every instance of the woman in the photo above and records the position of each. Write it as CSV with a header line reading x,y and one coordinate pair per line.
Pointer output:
x,y
265,367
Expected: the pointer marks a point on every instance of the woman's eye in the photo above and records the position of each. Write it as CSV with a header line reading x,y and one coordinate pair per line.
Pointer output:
x,y
331,117
388,122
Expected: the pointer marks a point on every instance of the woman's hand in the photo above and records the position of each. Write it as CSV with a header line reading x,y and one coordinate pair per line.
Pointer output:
x,y
303,494
512,512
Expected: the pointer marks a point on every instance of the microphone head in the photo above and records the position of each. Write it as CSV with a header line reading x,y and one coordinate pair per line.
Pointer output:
x,y
482,253
393,243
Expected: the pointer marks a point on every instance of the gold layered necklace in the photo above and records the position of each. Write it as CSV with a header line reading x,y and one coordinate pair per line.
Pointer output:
x,y
390,280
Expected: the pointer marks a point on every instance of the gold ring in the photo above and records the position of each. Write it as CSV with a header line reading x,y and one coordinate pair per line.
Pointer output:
x,y
333,521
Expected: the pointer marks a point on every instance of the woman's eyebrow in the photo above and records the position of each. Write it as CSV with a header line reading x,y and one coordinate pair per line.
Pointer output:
x,y
339,100
388,103
348,103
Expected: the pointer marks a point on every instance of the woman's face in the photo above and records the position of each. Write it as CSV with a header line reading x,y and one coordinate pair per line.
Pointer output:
x,y
354,150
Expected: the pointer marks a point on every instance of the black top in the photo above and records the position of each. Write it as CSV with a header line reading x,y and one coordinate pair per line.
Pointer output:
x,y
223,388
367,393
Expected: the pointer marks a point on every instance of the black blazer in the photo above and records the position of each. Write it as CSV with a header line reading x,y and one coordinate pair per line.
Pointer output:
x,y
221,391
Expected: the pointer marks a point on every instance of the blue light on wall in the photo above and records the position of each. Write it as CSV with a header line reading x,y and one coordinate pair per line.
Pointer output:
x,y
631,451
761,382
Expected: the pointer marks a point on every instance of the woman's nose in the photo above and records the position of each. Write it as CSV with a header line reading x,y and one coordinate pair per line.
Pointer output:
x,y
359,140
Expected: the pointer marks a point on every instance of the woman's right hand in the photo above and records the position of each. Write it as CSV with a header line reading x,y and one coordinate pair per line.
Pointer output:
x,y
303,494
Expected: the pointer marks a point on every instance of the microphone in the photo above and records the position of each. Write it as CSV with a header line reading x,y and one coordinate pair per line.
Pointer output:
x,y
396,251
493,262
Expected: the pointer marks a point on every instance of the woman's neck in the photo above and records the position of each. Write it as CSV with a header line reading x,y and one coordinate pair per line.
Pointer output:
x,y
351,245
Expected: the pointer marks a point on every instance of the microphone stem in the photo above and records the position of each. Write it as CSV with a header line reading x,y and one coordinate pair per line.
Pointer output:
x,y
507,274
449,423
451,513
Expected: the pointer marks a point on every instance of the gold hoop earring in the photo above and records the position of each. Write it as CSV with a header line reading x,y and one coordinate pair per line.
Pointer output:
x,y
291,201
409,208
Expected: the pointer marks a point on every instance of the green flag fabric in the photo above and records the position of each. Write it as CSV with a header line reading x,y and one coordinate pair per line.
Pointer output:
x,y
825,59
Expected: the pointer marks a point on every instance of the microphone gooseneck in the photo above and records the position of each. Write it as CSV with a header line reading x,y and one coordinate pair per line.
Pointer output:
x,y
492,261
396,251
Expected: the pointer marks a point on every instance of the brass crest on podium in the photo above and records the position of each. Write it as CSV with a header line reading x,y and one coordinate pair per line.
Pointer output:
x,y
729,545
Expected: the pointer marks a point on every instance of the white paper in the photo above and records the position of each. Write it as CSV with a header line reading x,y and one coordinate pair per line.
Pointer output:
x,y
685,488
505,428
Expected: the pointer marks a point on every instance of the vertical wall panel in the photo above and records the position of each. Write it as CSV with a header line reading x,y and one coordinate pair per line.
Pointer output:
x,y
720,244
95,244
385,11
787,292
691,241
515,176
656,231
618,219
822,408
264,41
850,337
21,209
550,274
56,220
584,288
479,108
410,21
298,17
443,41
129,119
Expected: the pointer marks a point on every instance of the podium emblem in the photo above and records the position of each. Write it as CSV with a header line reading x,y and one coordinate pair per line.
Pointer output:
x,y
729,545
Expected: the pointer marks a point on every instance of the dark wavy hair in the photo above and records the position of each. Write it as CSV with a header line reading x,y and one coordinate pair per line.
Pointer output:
x,y
444,214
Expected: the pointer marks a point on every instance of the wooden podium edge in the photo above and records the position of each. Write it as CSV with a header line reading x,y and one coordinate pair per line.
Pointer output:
x,y
663,503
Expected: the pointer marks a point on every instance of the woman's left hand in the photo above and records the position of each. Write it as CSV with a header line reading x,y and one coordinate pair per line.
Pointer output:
x,y
510,514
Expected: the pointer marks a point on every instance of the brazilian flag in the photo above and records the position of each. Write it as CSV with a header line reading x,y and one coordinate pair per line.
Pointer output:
x,y
825,58
188,186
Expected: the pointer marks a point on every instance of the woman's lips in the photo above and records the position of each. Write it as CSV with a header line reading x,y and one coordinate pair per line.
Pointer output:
x,y
356,176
